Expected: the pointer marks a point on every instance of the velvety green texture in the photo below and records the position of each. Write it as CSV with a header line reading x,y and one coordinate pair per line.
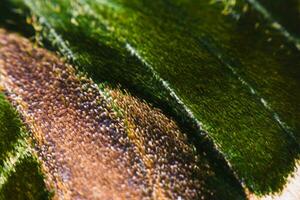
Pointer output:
x,y
237,75
10,130
25,181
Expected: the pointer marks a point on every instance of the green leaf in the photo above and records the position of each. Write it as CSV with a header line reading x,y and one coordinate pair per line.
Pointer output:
x,y
20,175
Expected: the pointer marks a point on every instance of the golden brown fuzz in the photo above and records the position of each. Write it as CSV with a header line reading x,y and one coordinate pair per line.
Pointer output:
x,y
173,167
88,151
